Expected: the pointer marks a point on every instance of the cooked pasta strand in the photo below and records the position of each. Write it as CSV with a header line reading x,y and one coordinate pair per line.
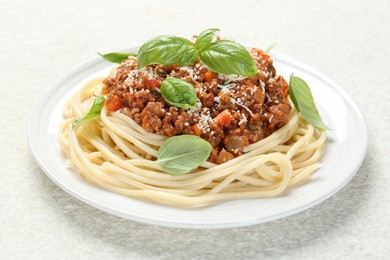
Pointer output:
x,y
117,154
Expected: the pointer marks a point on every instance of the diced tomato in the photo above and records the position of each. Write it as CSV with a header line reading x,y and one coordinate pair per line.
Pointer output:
x,y
113,103
152,83
208,76
224,118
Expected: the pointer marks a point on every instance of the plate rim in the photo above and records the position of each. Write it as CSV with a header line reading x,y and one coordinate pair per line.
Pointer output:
x,y
97,204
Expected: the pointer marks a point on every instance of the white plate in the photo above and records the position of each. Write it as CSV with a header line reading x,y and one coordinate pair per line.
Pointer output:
x,y
345,151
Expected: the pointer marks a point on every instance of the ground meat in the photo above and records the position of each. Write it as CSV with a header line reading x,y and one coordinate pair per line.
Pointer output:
x,y
152,115
207,99
231,112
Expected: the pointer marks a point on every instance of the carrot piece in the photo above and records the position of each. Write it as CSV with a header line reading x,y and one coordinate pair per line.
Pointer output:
x,y
196,130
224,118
208,76
144,121
104,90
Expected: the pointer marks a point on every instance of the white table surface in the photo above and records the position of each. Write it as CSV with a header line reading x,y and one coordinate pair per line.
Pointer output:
x,y
41,40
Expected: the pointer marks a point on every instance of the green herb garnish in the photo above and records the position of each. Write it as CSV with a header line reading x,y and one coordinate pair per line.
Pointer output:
x,y
303,101
228,57
220,56
178,93
181,154
167,50
97,106
116,57
205,38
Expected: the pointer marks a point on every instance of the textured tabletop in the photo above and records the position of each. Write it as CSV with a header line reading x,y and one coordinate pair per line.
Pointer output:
x,y
41,40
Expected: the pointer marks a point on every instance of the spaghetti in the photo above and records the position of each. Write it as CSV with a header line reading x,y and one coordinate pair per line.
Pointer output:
x,y
117,154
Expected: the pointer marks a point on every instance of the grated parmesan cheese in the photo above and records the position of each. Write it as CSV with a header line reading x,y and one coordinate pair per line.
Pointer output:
x,y
203,123
262,84
253,90
149,73
241,105
243,120
132,77
230,77
190,71
196,109
226,88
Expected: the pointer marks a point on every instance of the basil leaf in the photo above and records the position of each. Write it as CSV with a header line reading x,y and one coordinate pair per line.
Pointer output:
x,y
178,93
97,106
181,154
228,57
303,101
167,50
205,38
116,57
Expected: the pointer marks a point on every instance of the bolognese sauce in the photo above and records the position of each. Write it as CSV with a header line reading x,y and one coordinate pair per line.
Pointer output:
x,y
231,111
